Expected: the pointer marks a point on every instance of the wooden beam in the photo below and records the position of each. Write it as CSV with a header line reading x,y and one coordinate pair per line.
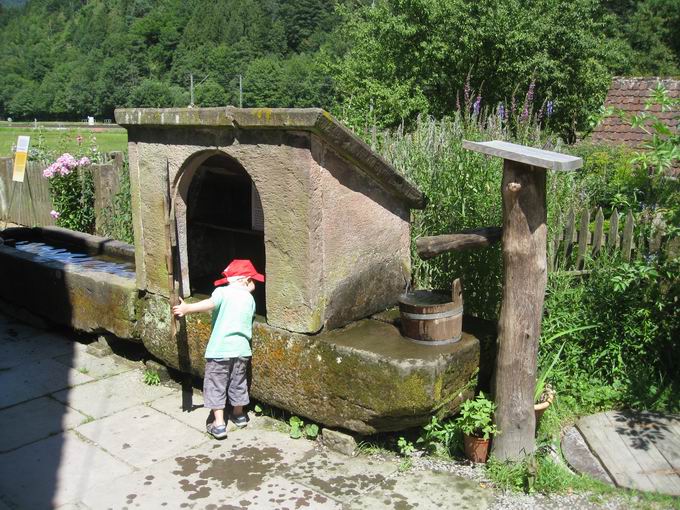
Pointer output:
x,y
432,246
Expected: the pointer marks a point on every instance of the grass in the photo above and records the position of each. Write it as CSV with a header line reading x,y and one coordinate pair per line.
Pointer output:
x,y
55,139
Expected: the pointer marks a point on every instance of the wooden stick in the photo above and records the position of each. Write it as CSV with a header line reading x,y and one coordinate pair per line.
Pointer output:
x,y
432,246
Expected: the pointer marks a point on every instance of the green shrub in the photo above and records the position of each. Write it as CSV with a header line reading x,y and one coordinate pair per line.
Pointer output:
x,y
117,218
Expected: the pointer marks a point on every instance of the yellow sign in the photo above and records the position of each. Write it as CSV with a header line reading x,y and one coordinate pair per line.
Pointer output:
x,y
20,158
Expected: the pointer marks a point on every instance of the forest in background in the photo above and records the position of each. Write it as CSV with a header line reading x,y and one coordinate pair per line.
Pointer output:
x,y
370,62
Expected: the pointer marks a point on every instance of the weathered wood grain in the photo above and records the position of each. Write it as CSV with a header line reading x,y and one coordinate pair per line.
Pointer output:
x,y
530,156
432,246
519,327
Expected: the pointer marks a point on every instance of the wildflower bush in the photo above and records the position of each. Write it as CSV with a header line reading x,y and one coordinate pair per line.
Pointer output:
x,y
72,190
463,187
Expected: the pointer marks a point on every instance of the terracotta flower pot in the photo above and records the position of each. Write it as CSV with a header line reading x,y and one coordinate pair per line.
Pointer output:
x,y
476,448
539,409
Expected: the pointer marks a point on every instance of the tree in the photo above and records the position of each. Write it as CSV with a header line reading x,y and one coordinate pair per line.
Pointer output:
x,y
157,94
402,58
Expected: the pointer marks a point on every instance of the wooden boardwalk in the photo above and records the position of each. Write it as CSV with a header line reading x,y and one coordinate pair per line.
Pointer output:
x,y
639,450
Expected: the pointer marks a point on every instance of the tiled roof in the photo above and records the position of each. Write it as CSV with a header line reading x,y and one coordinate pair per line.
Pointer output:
x,y
630,95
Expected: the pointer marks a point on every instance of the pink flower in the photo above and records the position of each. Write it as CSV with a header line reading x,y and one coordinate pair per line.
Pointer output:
x,y
49,171
84,161
54,214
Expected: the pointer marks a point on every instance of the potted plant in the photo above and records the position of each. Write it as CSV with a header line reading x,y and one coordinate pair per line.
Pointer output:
x,y
476,422
544,394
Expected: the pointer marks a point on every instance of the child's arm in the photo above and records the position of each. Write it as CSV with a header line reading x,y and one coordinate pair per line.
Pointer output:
x,y
183,308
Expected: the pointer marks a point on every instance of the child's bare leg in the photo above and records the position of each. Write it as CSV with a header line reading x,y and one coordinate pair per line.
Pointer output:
x,y
219,416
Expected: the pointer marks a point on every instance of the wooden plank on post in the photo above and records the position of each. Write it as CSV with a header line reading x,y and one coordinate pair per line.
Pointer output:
x,y
583,235
613,240
598,234
627,243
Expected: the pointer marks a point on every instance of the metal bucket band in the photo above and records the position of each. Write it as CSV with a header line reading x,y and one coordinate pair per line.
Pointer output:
x,y
435,342
432,316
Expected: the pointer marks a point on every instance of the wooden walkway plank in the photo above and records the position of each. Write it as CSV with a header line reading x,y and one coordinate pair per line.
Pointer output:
x,y
638,435
669,445
613,455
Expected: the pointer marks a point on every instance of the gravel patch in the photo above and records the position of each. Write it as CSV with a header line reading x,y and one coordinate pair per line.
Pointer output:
x,y
507,500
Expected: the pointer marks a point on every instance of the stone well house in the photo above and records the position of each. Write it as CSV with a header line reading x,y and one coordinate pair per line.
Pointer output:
x,y
293,190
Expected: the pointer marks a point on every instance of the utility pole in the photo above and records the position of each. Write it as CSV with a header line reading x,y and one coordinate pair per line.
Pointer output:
x,y
191,90
240,91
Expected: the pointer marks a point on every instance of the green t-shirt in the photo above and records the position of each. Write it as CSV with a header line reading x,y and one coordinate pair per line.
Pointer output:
x,y
232,323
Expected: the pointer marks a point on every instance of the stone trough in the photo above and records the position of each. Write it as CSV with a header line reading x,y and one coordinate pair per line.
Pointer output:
x,y
313,207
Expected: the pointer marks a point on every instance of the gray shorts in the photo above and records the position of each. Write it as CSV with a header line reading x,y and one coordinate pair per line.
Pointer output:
x,y
225,377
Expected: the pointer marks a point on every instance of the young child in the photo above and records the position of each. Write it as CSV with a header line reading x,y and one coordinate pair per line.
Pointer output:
x,y
228,351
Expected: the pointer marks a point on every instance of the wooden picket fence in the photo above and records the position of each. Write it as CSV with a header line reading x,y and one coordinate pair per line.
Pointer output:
x,y
579,240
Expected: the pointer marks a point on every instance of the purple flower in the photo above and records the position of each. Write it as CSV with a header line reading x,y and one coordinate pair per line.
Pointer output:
x,y
501,111
84,161
525,113
549,108
530,92
475,107
466,91
54,214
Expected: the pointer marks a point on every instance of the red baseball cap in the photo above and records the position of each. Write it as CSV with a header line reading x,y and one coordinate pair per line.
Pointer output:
x,y
239,268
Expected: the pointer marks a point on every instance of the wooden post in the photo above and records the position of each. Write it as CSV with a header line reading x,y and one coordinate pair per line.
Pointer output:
x,y
519,326
524,281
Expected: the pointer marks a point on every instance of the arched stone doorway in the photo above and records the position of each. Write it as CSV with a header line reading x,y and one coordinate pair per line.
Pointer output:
x,y
224,221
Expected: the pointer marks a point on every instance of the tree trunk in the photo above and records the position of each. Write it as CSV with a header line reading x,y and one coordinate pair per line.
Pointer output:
x,y
525,277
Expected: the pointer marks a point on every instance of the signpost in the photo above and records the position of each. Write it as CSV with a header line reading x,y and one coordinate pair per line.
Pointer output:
x,y
19,175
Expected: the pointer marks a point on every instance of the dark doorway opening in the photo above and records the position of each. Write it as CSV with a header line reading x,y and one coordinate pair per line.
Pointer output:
x,y
224,222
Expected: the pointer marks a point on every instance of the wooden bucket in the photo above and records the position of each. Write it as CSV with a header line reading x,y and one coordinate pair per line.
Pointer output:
x,y
430,317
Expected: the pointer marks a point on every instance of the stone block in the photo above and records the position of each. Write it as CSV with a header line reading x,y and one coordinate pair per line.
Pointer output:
x,y
162,371
100,348
339,442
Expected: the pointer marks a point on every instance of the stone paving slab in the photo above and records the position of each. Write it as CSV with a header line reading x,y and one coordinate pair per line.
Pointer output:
x,y
280,492
340,477
171,405
55,471
424,490
142,436
12,330
215,472
36,379
108,396
92,365
19,350
34,420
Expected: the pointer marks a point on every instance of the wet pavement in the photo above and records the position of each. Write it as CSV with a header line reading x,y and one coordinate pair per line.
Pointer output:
x,y
84,432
